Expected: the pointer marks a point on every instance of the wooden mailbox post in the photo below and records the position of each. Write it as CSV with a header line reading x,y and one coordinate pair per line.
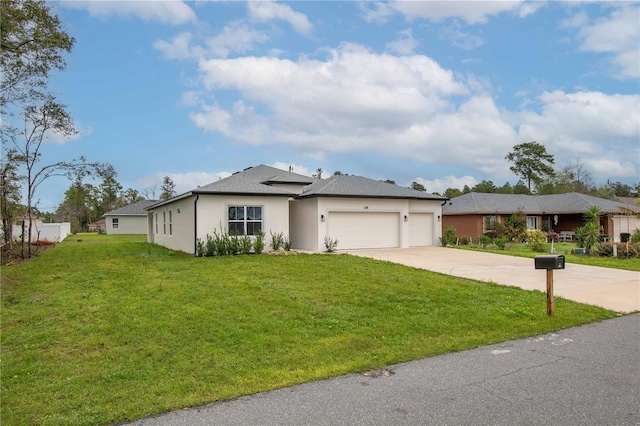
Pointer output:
x,y
549,263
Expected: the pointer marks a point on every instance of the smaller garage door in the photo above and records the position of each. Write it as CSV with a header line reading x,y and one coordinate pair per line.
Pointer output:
x,y
355,230
420,229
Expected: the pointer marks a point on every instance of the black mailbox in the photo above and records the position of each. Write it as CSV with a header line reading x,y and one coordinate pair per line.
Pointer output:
x,y
554,261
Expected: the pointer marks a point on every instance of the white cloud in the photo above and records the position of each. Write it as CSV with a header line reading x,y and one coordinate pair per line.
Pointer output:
x,y
174,12
179,47
356,100
265,11
470,11
446,182
589,125
82,130
617,35
405,44
237,37
460,38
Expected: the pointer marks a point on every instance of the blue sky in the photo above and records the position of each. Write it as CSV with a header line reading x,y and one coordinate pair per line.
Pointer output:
x,y
435,92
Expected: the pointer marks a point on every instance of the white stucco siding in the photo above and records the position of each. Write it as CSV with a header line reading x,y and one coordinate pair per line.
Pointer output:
x,y
172,225
126,224
213,214
303,224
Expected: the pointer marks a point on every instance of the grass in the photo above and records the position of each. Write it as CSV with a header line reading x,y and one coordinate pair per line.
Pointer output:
x,y
112,328
523,250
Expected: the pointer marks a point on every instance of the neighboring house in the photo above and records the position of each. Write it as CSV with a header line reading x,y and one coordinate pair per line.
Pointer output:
x,y
131,219
356,211
475,214
99,226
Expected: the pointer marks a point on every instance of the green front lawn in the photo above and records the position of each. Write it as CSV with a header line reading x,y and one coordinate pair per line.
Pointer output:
x,y
112,328
523,250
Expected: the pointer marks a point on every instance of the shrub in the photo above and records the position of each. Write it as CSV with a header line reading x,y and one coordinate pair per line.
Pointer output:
x,y
515,227
484,240
258,244
449,236
200,248
465,241
245,244
286,244
501,242
537,240
277,240
330,244
635,237
588,235
606,250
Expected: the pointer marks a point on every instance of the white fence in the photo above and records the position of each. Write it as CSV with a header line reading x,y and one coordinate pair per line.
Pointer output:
x,y
53,232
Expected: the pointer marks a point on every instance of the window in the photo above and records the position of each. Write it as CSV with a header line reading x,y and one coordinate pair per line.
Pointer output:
x,y
164,223
489,223
170,223
156,222
114,223
532,222
245,220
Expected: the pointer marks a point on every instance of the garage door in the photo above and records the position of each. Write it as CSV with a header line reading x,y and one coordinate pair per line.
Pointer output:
x,y
420,229
364,230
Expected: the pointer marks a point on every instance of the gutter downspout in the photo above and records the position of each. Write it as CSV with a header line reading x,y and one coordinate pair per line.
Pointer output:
x,y
195,225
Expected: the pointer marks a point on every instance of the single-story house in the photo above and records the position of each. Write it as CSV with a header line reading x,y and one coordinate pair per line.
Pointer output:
x,y
475,214
99,226
356,211
131,219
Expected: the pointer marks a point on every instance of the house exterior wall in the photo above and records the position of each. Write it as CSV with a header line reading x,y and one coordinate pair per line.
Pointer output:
x,y
623,224
308,230
212,212
172,225
127,224
294,188
465,225
303,225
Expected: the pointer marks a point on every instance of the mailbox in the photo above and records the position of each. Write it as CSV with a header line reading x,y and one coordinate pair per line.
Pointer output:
x,y
549,262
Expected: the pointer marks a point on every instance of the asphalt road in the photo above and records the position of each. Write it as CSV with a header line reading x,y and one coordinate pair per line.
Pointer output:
x,y
587,375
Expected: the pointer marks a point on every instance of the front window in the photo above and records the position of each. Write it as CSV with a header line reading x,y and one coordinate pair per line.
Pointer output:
x,y
170,223
490,223
245,220
164,223
532,222
156,223
114,223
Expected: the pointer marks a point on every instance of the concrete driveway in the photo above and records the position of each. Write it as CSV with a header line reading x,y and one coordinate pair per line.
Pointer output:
x,y
613,289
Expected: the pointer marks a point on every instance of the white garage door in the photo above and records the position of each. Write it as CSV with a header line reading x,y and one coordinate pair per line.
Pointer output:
x,y
364,230
420,229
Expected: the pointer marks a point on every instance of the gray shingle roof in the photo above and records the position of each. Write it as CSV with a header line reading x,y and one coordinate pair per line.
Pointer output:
x,y
254,181
573,202
357,186
137,208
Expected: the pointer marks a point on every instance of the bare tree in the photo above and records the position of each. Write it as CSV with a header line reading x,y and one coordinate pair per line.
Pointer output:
x,y
39,122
